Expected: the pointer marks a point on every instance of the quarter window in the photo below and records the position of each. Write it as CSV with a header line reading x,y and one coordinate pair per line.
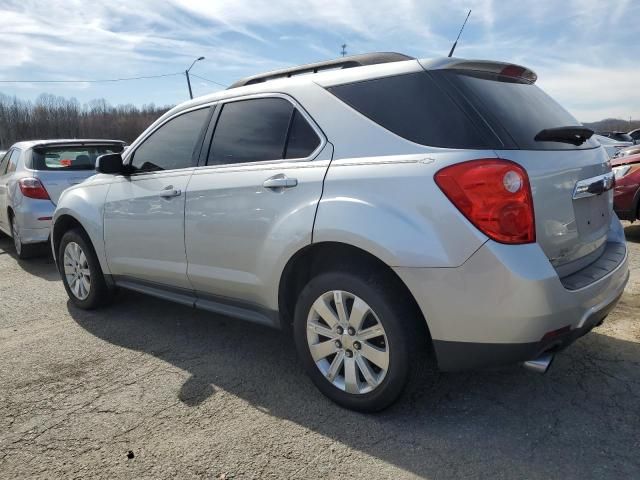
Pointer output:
x,y
303,140
261,129
173,145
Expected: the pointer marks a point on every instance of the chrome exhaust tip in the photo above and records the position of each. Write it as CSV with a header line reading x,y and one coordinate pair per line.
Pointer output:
x,y
540,364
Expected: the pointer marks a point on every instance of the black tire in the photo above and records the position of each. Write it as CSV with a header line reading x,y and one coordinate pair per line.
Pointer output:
x,y
99,292
399,318
23,251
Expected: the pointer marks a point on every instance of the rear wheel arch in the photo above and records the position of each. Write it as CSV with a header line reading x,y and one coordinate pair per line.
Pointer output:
x,y
323,257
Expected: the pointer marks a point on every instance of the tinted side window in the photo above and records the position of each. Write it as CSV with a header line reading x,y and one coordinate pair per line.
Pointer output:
x,y
413,107
303,140
13,161
173,145
251,131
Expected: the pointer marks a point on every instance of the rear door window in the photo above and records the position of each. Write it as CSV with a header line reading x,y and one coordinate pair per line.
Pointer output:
x,y
173,145
414,107
64,158
251,131
261,129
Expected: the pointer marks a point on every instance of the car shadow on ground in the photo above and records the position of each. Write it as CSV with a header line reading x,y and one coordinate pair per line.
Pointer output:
x,y
42,265
573,421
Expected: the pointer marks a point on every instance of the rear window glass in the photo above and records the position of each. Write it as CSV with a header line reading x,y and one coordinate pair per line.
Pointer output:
x,y
70,158
520,109
414,107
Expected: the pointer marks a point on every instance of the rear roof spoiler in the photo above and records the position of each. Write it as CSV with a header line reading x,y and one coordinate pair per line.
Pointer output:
x,y
339,63
78,143
500,68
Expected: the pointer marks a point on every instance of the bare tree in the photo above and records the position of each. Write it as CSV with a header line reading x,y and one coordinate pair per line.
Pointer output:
x,y
53,116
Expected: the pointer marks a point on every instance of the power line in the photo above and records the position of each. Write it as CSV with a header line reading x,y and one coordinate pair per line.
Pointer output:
x,y
207,80
93,81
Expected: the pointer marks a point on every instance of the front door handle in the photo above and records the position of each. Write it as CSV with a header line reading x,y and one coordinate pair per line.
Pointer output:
x,y
170,192
280,181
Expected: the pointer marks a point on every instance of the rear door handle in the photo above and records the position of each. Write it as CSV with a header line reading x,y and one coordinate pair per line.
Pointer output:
x,y
280,181
170,192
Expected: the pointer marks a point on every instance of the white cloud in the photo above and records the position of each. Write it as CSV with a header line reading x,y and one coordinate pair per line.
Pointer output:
x,y
583,50
593,93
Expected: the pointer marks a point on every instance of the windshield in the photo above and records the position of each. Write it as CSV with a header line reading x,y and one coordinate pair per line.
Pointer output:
x,y
70,157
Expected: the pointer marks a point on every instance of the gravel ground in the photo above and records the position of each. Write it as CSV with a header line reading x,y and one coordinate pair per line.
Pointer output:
x,y
193,395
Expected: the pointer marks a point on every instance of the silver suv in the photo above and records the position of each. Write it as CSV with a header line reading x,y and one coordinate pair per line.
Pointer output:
x,y
384,206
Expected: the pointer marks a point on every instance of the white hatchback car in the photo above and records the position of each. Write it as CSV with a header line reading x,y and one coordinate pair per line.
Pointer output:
x,y
33,174
383,205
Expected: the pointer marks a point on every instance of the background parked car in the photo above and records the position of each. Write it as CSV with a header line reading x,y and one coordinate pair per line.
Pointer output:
x,y
33,175
619,136
626,198
610,145
625,152
635,134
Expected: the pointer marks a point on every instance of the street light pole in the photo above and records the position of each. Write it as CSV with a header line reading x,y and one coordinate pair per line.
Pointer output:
x,y
186,72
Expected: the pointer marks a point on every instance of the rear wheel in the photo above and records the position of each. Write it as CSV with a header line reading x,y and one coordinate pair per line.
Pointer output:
x,y
81,272
23,251
357,338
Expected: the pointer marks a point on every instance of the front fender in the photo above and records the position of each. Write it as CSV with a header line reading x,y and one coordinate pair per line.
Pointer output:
x,y
85,204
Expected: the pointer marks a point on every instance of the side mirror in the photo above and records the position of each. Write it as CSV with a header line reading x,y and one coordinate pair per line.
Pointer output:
x,y
110,163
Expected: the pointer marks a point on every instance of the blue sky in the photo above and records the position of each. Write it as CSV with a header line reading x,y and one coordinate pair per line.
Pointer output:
x,y
584,51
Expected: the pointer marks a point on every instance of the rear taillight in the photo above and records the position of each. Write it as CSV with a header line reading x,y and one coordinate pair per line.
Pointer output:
x,y
33,188
494,195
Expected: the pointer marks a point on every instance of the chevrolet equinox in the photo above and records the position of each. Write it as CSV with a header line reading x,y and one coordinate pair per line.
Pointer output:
x,y
383,206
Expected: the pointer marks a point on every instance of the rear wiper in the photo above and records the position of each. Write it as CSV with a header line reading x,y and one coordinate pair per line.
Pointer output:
x,y
573,135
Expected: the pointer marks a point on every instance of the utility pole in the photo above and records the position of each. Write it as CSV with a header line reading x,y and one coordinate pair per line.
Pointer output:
x,y
186,72
344,49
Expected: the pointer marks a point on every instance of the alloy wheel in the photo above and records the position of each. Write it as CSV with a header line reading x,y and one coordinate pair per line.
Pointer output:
x,y
76,271
347,342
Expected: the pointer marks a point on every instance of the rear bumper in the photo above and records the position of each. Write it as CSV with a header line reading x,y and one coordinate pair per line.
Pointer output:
x,y
34,235
500,306
34,219
455,356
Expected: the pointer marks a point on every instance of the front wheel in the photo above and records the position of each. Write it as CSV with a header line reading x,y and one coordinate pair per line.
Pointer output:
x,y
357,339
81,273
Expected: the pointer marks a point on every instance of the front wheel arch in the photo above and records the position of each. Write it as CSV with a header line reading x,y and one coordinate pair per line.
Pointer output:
x,y
63,224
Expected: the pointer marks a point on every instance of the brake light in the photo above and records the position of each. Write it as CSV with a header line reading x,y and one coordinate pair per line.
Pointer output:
x,y
33,188
494,195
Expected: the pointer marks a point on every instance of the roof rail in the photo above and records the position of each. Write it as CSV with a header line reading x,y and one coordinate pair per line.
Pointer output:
x,y
339,63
